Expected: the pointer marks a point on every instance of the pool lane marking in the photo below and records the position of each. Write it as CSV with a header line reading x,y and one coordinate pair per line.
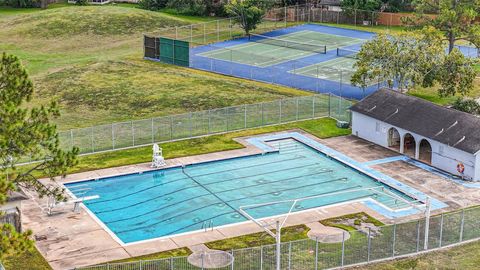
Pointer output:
x,y
204,187
281,180
141,202
183,178
238,199
156,209
263,173
248,167
305,209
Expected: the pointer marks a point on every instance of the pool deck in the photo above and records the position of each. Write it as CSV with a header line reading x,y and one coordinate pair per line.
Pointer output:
x,y
70,239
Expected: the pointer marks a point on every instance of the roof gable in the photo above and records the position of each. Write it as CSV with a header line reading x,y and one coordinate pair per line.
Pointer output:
x,y
451,127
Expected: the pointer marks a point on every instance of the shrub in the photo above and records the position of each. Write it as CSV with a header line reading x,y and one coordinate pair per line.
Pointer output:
x,y
467,105
22,3
81,2
152,4
188,7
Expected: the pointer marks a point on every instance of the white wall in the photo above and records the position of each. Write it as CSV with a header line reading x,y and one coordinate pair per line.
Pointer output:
x,y
445,159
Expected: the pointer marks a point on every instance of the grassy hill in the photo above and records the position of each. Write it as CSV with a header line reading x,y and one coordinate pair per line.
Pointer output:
x,y
90,60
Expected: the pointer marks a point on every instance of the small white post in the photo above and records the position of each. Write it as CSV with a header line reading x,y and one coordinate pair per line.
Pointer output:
x,y
278,246
427,222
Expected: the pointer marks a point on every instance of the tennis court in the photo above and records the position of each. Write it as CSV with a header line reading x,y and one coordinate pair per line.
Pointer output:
x,y
264,51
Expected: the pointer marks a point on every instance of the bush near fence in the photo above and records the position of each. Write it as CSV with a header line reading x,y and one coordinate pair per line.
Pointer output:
x,y
390,241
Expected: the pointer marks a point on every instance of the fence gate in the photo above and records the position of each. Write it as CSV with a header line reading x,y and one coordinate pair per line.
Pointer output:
x,y
167,50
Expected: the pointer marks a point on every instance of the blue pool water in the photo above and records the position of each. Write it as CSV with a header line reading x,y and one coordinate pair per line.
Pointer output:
x,y
165,202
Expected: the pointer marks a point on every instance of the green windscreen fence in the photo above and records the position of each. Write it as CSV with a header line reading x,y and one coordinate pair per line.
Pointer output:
x,y
167,50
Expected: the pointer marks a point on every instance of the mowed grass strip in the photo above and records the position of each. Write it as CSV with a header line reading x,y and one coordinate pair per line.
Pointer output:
x,y
90,60
321,128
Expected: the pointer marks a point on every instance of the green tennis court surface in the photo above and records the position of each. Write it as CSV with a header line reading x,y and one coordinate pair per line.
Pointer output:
x,y
338,69
262,53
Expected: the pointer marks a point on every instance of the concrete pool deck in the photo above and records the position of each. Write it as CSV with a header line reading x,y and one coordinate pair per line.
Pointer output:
x,y
72,239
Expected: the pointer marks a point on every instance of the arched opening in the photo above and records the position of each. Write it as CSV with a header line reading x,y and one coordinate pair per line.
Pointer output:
x,y
409,145
394,139
425,153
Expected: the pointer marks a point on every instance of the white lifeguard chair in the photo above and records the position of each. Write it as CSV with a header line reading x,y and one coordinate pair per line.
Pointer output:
x,y
157,159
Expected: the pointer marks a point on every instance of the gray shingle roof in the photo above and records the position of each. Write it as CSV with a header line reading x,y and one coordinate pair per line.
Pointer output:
x,y
451,127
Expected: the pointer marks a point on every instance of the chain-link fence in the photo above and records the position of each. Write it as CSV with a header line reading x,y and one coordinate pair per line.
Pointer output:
x,y
361,246
12,216
188,125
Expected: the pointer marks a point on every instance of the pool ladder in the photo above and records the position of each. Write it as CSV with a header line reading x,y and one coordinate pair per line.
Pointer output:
x,y
207,225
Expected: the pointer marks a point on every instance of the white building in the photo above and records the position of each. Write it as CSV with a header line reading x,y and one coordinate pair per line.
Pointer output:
x,y
445,138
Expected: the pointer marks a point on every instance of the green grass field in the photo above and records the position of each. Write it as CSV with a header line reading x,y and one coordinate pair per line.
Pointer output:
x,y
90,60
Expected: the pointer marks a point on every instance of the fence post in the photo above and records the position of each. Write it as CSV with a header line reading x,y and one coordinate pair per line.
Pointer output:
x,y
261,106
191,33
230,26
369,244
209,117
316,253
343,247
286,16
226,119
418,235
280,110
462,225
245,115
133,133
191,125
329,104
171,263
261,257
393,242
313,106
71,138
427,223
93,141
296,101
141,264
204,34
218,30
171,127
441,231
176,32
153,132
289,255
113,136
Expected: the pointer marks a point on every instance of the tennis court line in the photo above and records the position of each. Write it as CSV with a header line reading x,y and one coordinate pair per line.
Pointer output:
x,y
244,45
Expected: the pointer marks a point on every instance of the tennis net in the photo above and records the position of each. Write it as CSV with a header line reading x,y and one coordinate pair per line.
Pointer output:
x,y
347,53
289,44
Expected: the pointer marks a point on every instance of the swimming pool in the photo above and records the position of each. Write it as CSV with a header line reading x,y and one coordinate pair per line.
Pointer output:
x,y
179,200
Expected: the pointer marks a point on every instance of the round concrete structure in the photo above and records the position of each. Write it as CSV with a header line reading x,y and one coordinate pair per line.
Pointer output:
x,y
210,259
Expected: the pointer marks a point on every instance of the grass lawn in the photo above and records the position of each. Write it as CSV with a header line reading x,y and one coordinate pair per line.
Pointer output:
x,y
179,252
462,257
29,260
291,233
89,58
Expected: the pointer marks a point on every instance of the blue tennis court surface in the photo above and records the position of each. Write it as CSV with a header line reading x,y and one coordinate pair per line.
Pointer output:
x,y
307,59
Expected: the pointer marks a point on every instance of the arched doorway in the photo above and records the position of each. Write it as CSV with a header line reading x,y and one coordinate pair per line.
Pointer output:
x,y
409,145
425,151
394,139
